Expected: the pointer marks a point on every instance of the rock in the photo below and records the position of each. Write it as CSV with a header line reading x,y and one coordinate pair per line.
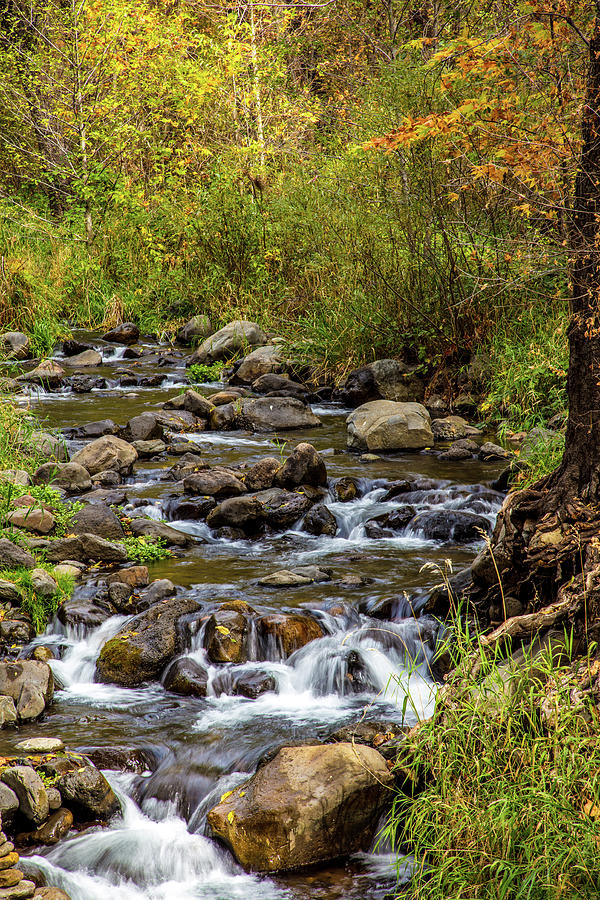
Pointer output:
x,y
490,452
458,526
88,791
94,518
181,421
29,788
387,425
188,508
134,576
40,745
15,476
197,327
72,347
195,403
51,832
43,583
150,529
277,507
14,344
452,428
228,341
215,482
50,893
245,512
20,891
319,520
226,635
85,548
96,429
460,450
185,676
10,592
144,427
48,446
295,577
10,878
9,804
31,518
253,684
261,475
283,634
85,360
156,592
16,628
262,361
277,414
307,805
303,466
224,398
346,489
108,452
83,384
284,386
79,612
8,712
141,650
8,861
70,476
120,595
386,379
12,556
107,479
48,374
127,333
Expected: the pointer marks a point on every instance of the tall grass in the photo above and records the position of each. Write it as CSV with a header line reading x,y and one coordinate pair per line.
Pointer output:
x,y
503,803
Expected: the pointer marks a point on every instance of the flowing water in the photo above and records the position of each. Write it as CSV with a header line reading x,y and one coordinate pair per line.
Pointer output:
x,y
189,751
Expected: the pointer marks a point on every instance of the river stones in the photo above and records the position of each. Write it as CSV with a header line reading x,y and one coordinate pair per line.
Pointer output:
x,y
215,482
197,327
490,452
282,634
297,577
48,374
40,745
14,345
51,893
303,466
262,361
29,683
226,634
277,414
187,677
126,333
88,792
346,489
50,832
87,359
279,385
144,427
134,576
458,526
142,649
32,518
276,507
193,508
143,527
70,476
226,342
47,446
452,428
15,476
107,452
195,403
319,520
85,548
97,519
388,425
9,804
12,556
307,805
385,379
30,790
261,475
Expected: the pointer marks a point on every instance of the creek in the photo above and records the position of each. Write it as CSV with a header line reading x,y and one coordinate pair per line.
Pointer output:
x,y
193,750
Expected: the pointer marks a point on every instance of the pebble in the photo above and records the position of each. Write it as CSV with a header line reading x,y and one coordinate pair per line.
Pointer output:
x,y
40,745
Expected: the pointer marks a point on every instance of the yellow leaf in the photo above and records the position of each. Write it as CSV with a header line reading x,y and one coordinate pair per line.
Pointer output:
x,y
230,817
226,795
223,630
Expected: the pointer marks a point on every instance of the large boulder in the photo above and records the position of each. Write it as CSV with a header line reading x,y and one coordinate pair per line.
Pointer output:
x,y
108,452
276,414
29,683
215,482
142,649
198,327
88,791
262,361
127,333
303,466
228,341
385,379
14,345
387,425
48,374
307,805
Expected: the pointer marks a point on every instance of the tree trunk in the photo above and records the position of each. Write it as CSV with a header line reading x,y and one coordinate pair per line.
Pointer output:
x,y
549,535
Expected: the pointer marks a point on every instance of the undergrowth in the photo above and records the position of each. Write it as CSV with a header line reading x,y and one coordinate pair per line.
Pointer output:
x,y
41,608
499,804
146,550
200,373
